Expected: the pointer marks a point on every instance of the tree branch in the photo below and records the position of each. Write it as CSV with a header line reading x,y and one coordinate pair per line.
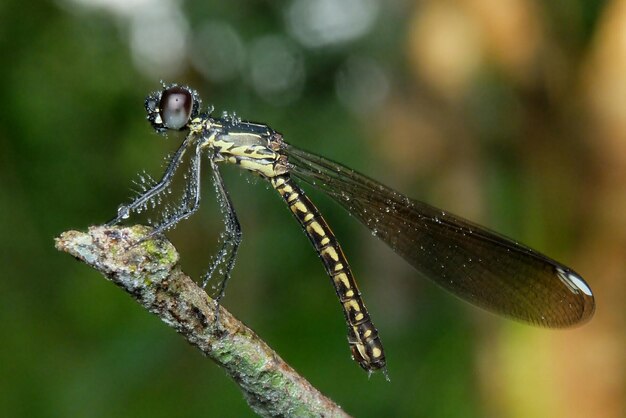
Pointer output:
x,y
149,272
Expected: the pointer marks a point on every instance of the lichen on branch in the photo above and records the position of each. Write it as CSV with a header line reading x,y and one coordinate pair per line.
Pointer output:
x,y
148,270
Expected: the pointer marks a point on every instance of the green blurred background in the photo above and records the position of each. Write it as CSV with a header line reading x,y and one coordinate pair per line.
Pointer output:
x,y
511,113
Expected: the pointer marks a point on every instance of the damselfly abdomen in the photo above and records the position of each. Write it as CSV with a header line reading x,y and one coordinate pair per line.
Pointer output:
x,y
474,263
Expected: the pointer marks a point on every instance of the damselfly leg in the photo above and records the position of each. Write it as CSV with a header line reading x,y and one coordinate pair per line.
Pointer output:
x,y
141,201
232,236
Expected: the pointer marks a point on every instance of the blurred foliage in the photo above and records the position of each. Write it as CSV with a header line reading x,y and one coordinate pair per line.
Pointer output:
x,y
507,112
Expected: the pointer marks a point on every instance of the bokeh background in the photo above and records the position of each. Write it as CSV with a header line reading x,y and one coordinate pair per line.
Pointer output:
x,y
509,112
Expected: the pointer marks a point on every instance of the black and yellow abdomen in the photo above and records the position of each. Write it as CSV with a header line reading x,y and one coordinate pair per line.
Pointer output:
x,y
365,344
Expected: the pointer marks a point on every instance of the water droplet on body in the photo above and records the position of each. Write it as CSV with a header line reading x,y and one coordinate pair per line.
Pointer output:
x,y
123,212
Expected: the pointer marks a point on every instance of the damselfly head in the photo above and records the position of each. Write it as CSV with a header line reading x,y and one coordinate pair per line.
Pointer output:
x,y
172,107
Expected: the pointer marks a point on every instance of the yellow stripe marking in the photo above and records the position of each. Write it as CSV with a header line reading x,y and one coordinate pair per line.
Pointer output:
x,y
349,293
353,305
376,352
308,217
343,278
362,351
332,253
315,226
299,206
292,197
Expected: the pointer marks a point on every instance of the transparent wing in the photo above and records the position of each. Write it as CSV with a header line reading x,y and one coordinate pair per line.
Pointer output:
x,y
472,262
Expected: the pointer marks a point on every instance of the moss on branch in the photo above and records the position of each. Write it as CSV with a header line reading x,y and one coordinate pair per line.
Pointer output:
x,y
149,272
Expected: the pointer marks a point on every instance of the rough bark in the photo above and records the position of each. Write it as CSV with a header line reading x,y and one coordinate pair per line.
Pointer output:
x,y
148,270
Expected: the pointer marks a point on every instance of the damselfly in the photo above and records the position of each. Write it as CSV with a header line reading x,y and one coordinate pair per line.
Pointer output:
x,y
472,262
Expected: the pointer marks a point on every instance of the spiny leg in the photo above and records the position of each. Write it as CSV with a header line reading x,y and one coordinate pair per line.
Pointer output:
x,y
231,239
125,210
192,189
217,259
226,254
232,234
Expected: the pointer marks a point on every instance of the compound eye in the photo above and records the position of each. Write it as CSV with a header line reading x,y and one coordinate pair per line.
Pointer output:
x,y
175,107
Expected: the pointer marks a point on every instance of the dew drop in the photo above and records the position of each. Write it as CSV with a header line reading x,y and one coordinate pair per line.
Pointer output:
x,y
123,212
